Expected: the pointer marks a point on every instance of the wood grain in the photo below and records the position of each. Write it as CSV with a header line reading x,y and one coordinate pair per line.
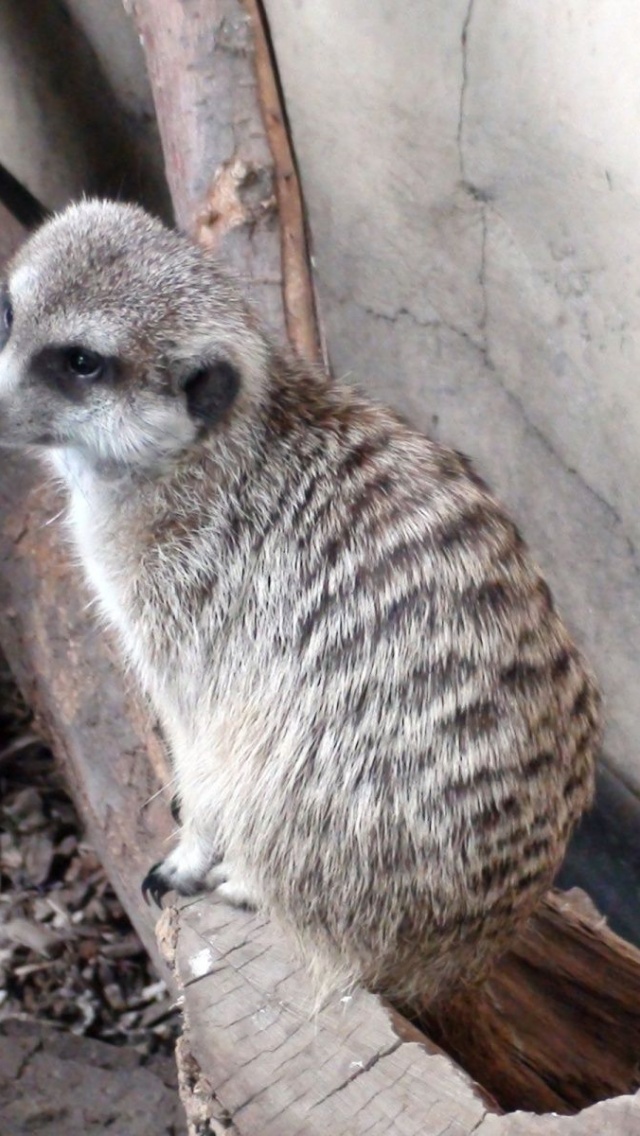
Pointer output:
x,y
557,1027
264,1066
276,1070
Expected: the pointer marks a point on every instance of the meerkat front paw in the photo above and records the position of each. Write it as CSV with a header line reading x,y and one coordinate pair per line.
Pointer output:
x,y
184,870
172,875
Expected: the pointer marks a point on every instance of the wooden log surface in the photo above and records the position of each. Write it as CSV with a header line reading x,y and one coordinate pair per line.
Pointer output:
x,y
375,1073
256,1063
272,1069
557,1026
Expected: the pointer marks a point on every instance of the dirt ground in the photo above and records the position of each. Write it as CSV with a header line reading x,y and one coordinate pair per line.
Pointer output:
x,y
73,973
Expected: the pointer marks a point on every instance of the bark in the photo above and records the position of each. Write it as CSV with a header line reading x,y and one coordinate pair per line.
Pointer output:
x,y
557,1027
228,159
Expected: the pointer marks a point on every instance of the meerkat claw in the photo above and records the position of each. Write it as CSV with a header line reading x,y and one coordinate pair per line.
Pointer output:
x,y
154,885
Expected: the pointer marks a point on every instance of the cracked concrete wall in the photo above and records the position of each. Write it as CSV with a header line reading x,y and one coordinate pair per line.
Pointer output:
x,y
472,177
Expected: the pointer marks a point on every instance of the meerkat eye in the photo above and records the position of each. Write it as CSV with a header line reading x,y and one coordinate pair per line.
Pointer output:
x,y
84,363
6,320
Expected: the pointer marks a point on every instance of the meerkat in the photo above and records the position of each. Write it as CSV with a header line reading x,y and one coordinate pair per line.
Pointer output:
x,y
381,732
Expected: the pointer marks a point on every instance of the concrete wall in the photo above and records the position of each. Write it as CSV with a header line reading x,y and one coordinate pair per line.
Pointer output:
x,y
472,174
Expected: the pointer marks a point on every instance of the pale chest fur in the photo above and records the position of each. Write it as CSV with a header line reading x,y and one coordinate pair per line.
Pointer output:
x,y
184,598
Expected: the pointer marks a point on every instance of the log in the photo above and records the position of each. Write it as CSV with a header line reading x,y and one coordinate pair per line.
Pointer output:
x,y
257,1062
229,163
557,1026
250,1060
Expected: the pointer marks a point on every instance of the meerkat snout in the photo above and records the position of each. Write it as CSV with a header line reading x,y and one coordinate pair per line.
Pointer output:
x,y
380,728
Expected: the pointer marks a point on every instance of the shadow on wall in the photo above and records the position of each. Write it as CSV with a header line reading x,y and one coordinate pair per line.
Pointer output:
x,y
64,129
604,856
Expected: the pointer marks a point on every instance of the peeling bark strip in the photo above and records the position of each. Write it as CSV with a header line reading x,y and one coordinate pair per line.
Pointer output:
x,y
297,281
239,195
229,164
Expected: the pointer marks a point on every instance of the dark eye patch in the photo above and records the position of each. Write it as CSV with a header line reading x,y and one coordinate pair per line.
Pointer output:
x,y
74,370
6,318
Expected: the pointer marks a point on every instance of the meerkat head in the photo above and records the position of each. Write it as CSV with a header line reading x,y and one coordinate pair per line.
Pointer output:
x,y
121,339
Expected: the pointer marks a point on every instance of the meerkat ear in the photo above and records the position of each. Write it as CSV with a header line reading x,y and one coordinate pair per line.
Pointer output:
x,y
211,390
